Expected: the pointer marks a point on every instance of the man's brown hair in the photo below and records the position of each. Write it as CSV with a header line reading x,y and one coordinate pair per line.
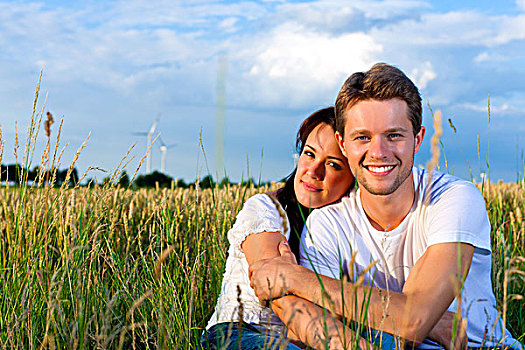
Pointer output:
x,y
381,82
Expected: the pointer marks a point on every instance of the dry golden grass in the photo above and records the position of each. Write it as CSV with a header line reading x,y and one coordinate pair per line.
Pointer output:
x,y
110,267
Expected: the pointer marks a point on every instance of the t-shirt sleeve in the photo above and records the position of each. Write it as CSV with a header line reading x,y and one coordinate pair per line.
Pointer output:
x,y
460,215
259,214
319,245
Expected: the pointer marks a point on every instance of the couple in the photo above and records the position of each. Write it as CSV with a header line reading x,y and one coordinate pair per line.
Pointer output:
x,y
414,240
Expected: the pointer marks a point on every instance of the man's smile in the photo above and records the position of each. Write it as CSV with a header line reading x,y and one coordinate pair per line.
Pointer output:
x,y
379,170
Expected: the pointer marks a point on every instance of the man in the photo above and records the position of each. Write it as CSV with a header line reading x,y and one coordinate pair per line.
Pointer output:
x,y
420,239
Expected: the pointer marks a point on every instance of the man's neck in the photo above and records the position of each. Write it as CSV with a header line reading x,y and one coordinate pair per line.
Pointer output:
x,y
387,212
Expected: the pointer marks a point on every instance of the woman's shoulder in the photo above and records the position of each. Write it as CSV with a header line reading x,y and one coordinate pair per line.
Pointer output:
x,y
260,213
262,201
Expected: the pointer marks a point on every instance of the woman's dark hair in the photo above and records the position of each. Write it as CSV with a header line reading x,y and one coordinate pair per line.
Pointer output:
x,y
296,212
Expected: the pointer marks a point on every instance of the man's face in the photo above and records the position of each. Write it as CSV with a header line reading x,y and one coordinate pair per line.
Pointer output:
x,y
380,144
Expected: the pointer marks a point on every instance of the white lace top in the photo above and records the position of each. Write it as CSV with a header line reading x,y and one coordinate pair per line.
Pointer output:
x,y
258,214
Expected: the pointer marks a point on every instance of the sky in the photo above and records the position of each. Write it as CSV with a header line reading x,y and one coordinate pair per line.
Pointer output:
x,y
110,68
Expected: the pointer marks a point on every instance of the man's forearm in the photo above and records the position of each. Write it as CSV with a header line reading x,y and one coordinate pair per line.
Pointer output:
x,y
427,292
314,325
338,296
412,314
385,311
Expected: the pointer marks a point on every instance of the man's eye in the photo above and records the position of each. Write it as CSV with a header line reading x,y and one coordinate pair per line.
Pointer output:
x,y
395,136
361,138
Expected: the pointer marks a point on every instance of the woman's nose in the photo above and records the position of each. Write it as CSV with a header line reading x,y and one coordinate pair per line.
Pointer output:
x,y
316,171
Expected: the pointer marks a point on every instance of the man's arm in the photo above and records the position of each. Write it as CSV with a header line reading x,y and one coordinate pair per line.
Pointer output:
x,y
429,290
314,326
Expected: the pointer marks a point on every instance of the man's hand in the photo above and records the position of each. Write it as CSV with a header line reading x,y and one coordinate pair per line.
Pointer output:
x,y
270,278
442,332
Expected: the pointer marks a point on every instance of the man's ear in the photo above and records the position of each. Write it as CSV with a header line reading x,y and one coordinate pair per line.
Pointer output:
x,y
419,139
340,142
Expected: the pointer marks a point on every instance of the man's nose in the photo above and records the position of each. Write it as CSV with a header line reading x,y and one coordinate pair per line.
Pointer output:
x,y
316,170
378,148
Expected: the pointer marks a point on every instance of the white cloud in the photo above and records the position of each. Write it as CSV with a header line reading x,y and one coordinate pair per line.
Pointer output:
x,y
293,65
490,57
521,4
482,57
186,13
468,28
423,74
509,29
501,109
228,24
434,29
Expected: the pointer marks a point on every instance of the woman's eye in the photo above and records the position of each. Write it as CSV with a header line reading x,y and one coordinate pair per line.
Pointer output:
x,y
335,165
309,154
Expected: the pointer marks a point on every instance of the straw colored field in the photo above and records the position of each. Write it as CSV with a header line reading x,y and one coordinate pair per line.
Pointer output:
x,y
107,267
115,268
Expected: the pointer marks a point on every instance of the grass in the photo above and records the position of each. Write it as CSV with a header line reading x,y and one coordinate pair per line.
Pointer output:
x,y
110,267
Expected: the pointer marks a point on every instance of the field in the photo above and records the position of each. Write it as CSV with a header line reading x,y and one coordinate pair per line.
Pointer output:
x,y
107,267
110,267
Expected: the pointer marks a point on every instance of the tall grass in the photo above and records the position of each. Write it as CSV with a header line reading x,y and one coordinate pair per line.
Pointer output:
x,y
108,267
111,267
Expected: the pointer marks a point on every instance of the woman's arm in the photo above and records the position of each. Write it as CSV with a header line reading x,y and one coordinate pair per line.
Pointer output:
x,y
260,246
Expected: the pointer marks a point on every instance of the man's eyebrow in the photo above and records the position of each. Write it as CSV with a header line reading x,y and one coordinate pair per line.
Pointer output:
x,y
397,129
359,132
366,131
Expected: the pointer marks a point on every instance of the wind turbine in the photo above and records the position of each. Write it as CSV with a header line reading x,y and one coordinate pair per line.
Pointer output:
x,y
149,134
163,150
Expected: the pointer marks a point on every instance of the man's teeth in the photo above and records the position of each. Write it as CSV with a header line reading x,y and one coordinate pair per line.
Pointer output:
x,y
380,169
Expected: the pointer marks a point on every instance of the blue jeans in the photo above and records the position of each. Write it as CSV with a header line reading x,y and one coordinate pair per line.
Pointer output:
x,y
379,339
382,340
233,336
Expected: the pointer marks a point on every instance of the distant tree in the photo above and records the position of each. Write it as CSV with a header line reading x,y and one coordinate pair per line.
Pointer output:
x,y
87,182
180,183
207,182
62,174
16,174
12,173
73,178
106,180
149,180
123,181
224,182
248,182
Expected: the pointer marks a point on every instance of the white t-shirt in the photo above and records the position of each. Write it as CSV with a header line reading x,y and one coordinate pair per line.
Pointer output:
x,y
455,212
258,214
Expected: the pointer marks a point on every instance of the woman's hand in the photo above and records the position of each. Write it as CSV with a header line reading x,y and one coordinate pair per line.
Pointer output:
x,y
271,278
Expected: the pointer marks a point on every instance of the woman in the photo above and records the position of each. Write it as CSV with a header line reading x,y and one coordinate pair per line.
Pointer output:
x,y
322,177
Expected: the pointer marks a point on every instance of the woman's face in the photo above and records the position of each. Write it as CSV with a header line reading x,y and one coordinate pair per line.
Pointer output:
x,y
323,175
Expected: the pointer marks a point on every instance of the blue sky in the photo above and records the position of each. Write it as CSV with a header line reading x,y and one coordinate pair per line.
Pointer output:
x,y
111,67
